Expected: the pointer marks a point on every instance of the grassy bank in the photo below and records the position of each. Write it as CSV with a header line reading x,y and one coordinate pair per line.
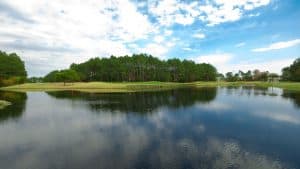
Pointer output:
x,y
96,86
4,103
106,87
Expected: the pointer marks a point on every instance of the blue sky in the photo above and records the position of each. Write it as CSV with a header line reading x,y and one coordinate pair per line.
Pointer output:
x,y
230,34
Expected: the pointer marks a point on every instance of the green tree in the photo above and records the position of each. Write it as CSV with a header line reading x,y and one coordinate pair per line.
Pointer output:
x,y
65,76
230,77
220,76
34,79
260,76
143,67
286,74
272,76
245,76
12,69
292,73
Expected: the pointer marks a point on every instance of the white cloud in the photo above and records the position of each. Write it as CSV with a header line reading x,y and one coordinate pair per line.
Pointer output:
x,y
254,15
227,11
240,44
170,44
41,28
133,46
271,65
159,39
246,4
215,59
184,19
215,15
287,117
154,49
223,63
130,22
112,47
44,30
219,60
214,106
199,35
187,49
169,12
278,45
168,32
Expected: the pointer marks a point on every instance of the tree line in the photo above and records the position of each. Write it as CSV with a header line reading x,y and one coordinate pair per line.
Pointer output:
x,y
138,67
12,69
255,75
290,73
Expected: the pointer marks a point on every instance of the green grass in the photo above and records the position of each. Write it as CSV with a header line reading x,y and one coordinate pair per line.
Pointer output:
x,y
94,86
106,87
284,85
4,103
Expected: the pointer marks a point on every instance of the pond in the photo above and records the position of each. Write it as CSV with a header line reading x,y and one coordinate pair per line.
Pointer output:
x,y
232,127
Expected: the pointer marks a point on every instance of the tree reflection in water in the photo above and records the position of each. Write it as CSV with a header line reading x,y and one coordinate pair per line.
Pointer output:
x,y
141,102
15,110
294,96
241,127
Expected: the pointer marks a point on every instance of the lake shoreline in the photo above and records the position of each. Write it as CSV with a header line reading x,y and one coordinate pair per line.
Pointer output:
x,y
121,87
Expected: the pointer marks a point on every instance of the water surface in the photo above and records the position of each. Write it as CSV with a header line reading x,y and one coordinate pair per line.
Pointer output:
x,y
234,127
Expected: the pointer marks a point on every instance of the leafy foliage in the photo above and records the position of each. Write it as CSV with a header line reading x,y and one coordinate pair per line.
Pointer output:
x,y
12,69
68,75
143,67
255,75
34,79
15,111
292,73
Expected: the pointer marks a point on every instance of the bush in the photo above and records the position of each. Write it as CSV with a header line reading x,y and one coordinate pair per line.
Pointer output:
x,y
12,81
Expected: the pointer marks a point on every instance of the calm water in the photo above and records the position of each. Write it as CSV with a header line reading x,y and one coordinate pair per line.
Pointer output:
x,y
187,128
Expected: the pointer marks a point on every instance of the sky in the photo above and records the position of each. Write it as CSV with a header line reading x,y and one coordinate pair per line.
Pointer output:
x,y
230,34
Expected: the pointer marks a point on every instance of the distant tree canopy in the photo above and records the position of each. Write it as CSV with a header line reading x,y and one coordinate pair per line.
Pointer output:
x,y
67,75
143,67
255,75
292,72
138,67
35,79
12,69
